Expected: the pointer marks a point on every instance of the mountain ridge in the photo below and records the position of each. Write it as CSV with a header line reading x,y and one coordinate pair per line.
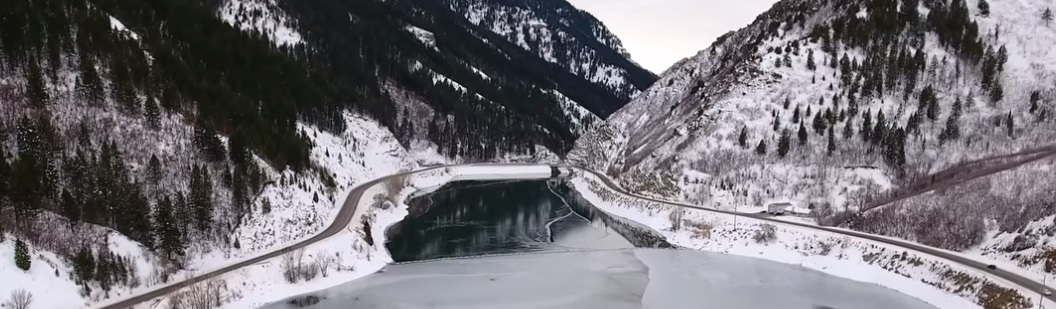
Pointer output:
x,y
833,104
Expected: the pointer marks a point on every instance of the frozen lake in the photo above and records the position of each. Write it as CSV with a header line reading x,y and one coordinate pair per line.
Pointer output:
x,y
618,278
569,255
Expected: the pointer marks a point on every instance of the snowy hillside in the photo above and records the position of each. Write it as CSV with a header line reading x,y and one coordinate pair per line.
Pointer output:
x,y
263,17
536,70
842,106
560,34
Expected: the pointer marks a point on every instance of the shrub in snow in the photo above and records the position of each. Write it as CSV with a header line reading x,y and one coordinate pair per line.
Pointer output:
x,y
309,271
1021,243
676,218
703,228
20,299
765,234
22,259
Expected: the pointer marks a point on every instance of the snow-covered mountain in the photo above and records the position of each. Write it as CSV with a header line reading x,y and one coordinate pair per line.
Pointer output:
x,y
563,35
840,106
143,141
545,61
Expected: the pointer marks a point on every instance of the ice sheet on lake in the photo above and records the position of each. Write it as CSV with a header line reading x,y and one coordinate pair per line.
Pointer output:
x,y
623,278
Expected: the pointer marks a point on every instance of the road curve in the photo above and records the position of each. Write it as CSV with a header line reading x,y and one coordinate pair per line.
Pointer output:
x,y
969,263
343,218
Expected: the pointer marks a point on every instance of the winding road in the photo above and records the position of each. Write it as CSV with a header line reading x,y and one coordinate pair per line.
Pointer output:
x,y
348,209
342,220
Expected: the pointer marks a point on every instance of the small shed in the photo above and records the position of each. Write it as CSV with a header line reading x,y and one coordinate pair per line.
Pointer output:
x,y
778,208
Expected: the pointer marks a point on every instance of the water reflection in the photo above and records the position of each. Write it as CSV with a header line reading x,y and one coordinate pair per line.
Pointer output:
x,y
475,218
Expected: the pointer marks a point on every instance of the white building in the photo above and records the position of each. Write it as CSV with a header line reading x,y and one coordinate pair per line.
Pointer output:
x,y
778,208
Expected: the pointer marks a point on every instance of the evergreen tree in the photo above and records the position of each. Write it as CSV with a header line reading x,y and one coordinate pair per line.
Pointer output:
x,y
788,103
169,237
761,148
913,125
1047,16
84,265
788,60
810,60
265,205
71,209
154,171
152,113
880,131
952,130
184,213
867,126
201,198
1035,97
984,8
785,143
239,196
5,173
90,86
832,142
895,147
820,123
237,151
29,171
802,134
206,141
997,92
35,89
22,257
795,115
929,103
848,128
743,139
1010,124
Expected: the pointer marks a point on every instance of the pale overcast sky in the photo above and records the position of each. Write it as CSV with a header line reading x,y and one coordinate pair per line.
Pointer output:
x,y
658,33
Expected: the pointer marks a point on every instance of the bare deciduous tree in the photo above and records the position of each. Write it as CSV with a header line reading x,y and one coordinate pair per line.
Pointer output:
x,y
203,295
20,299
291,265
324,260
176,300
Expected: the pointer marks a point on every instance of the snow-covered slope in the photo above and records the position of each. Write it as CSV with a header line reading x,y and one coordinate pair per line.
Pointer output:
x,y
552,68
682,137
263,17
560,34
